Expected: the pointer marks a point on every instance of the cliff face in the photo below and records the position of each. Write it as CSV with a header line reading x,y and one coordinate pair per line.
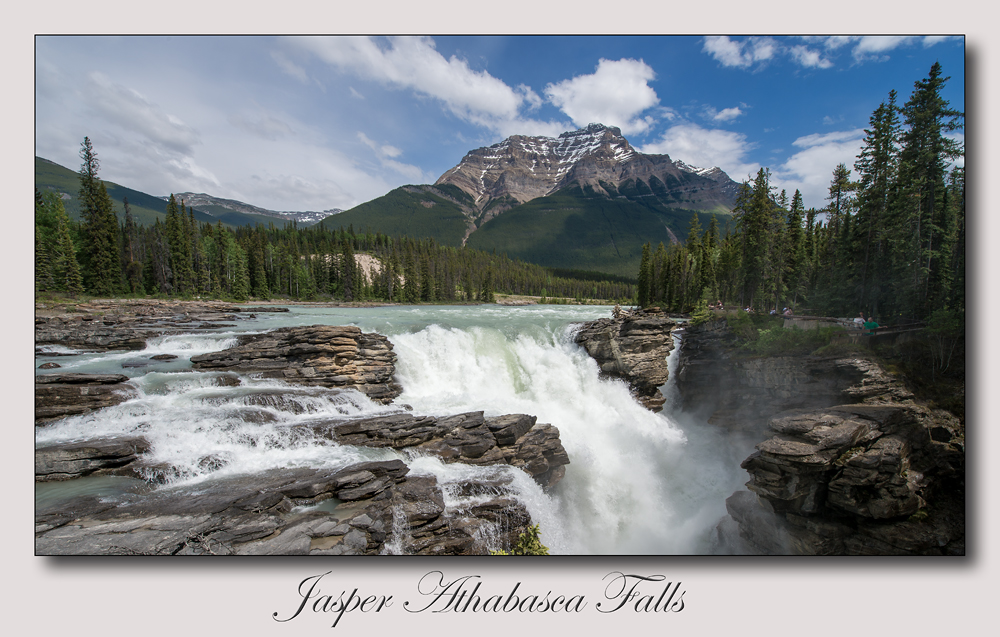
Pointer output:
x,y
852,464
633,348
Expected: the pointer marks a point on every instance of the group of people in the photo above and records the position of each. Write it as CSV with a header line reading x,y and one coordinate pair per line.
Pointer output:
x,y
869,325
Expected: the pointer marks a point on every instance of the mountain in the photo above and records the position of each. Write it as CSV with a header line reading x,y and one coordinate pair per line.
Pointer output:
x,y
147,208
219,207
520,169
586,200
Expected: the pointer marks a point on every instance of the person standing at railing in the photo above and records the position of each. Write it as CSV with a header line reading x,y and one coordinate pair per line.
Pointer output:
x,y
870,326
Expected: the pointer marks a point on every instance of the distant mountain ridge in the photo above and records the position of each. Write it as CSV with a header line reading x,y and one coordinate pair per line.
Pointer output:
x,y
208,203
147,208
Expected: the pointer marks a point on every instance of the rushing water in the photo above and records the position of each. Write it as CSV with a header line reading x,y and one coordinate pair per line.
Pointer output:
x,y
638,482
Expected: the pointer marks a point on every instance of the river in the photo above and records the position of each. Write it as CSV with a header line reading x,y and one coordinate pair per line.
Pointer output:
x,y
638,482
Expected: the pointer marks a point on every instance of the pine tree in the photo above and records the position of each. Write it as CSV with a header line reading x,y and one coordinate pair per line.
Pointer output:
x,y
876,167
922,163
101,254
795,248
645,277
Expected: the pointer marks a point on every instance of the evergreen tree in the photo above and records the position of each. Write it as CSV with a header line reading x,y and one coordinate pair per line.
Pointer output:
x,y
101,255
645,277
876,167
922,169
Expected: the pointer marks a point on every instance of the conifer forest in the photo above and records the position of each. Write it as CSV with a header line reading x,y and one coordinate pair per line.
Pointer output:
x,y
890,243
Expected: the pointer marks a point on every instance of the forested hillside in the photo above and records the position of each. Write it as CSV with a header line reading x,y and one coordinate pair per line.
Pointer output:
x,y
890,243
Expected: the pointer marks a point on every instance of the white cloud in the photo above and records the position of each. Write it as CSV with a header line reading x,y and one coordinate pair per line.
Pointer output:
x,y
725,115
355,94
705,148
385,154
871,46
290,67
414,63
931,40
809,58
836,41
130,110
262,125
615,94
753,50
740,54
811,169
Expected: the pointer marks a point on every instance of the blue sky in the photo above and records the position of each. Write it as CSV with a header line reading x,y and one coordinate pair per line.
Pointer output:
x,y
313,123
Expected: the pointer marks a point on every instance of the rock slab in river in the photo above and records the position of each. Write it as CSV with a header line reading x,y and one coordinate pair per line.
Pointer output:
x,y
470,438
322,355
61,395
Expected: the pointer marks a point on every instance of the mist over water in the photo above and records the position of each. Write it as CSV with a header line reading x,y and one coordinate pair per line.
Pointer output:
x,y
638,482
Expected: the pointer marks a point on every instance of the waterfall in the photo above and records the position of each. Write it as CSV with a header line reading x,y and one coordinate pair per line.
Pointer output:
x,y
638,482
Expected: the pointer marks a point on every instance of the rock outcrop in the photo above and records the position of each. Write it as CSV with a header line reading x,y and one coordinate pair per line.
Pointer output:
x,y
514,439
363,509
852,464
633,348
318,355
61,395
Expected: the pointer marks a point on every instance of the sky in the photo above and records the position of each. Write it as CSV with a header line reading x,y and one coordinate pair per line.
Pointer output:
x,y
316,123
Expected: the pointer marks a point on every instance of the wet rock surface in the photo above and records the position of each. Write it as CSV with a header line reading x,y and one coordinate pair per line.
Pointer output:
x,y
367,509
378,506
319,355
634,348
61,395
78,459
362,509
471,438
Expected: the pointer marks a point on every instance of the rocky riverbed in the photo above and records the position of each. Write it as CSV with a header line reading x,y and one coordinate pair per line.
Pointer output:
x,y
363,508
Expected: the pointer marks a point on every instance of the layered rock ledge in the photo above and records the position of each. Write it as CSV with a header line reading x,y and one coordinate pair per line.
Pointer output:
x,y
61,395
633,348
514,439
364,509
318,355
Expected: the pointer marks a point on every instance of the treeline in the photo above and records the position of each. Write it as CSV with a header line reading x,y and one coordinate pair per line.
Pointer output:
x,y
184,258
890,243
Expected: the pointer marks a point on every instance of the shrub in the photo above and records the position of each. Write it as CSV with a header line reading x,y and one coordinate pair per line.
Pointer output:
x,y
528,543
